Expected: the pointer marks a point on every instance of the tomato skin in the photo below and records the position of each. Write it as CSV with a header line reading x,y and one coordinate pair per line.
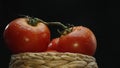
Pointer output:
x,y
80,40
53,44
23,37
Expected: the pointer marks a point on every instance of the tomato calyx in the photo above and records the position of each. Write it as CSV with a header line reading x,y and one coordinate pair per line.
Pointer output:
x,y
66,29
33,21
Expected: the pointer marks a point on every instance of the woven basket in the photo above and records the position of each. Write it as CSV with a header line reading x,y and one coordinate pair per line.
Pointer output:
x,y
52,60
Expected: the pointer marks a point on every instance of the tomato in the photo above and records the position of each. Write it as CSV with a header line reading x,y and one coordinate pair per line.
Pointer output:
x,y
53,44
27,35
80,40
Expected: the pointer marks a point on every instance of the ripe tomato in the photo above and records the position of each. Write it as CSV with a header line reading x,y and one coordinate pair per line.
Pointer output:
x,y
79,40
53,44
27,35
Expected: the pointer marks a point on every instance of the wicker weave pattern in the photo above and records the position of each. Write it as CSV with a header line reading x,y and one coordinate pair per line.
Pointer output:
x,y
52,60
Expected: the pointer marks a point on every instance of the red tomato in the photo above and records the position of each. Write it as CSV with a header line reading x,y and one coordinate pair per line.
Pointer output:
x,y
80,40
26,35
53,44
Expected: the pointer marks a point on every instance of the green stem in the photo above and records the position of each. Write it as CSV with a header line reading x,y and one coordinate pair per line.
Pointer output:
x,y
34,21
66,28
57,23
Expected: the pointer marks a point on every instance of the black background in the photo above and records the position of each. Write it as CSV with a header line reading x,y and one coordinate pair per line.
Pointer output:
x,y
101,17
